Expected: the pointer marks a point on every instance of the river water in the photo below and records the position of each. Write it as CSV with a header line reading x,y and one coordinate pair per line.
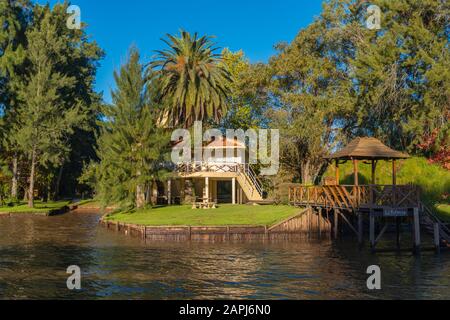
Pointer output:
x,y
36,251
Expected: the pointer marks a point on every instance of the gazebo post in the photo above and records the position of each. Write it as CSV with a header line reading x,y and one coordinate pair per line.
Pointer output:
x,y
355,170
394,172
374,182
337,172
356,178
374,168
394,182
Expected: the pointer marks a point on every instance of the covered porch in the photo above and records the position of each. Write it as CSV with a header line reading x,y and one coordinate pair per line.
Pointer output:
x,y
210,188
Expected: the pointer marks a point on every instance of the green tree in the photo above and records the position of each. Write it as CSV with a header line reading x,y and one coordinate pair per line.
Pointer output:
x,y
338,79
310,87
77,59
45,118
132,148
14,19
402,73
247,99
81,62
192,83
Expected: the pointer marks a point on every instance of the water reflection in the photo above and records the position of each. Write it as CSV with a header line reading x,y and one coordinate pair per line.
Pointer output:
x,y
35,252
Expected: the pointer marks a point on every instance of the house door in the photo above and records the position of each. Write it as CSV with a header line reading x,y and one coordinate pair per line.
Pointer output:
x,y
224,190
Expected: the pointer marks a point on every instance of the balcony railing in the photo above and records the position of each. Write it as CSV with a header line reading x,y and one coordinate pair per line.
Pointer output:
x,y
195,167
250,177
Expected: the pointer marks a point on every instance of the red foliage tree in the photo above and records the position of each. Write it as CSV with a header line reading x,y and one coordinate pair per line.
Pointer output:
x,y
436,147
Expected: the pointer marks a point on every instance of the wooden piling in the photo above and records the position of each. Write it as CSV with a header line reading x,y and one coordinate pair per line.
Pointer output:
x,y
310,221
437,238
360,229
319,218
372,231
416,231
336,224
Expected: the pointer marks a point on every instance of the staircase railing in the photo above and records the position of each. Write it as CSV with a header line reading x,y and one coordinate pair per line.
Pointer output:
x,y
444,231
251,175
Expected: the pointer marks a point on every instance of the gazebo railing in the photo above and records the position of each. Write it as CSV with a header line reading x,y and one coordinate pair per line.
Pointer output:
x,y
352,197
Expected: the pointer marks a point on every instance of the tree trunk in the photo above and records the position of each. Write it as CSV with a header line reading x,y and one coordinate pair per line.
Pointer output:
x,y
58,181
140,197
48,193
140,193
148,193
14,178
25,195
306,176
32,174
154,197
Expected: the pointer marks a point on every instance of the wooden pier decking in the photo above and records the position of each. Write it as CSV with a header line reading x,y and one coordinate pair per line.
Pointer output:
x,y
390,203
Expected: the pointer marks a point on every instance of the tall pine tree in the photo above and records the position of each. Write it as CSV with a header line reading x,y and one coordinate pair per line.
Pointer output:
x,y
132,148
44,117
402,72
14,19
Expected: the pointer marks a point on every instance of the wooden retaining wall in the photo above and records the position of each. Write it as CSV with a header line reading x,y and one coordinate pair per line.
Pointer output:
x,y
308,222
305,223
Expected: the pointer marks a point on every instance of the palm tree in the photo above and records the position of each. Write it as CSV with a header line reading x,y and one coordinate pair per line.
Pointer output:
x,y
192,82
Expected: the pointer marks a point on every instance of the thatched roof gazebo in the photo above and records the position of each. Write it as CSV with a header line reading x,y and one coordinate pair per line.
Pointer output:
x,y
369,149
389,204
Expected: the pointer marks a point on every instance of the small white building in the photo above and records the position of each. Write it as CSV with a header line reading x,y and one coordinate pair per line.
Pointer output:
x,y
224,176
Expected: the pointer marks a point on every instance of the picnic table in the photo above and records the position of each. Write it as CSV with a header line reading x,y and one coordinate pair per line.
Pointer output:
x,y
204,203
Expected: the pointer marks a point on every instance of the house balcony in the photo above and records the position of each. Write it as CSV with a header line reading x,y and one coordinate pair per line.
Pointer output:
x,y
210,169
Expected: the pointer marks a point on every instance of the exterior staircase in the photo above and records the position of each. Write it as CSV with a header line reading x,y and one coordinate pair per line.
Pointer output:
x,y
250,184
428,221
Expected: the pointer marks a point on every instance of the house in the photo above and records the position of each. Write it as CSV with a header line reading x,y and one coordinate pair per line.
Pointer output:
x,y
224,176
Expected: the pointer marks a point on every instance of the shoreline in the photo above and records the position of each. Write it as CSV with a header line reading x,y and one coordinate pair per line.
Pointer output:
x,y
50,213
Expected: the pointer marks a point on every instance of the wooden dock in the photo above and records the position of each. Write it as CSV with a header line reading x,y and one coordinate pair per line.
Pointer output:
x,y
380,205
383,206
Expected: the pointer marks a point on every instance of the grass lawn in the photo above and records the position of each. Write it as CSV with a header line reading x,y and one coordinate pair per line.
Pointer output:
x,y
39,207
84,202
225,215
444,212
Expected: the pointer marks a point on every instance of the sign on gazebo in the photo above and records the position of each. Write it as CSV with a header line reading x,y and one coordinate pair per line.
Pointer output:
x,y
395,212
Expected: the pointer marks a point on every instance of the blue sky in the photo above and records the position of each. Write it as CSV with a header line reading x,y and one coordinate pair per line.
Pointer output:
x,y
250,25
